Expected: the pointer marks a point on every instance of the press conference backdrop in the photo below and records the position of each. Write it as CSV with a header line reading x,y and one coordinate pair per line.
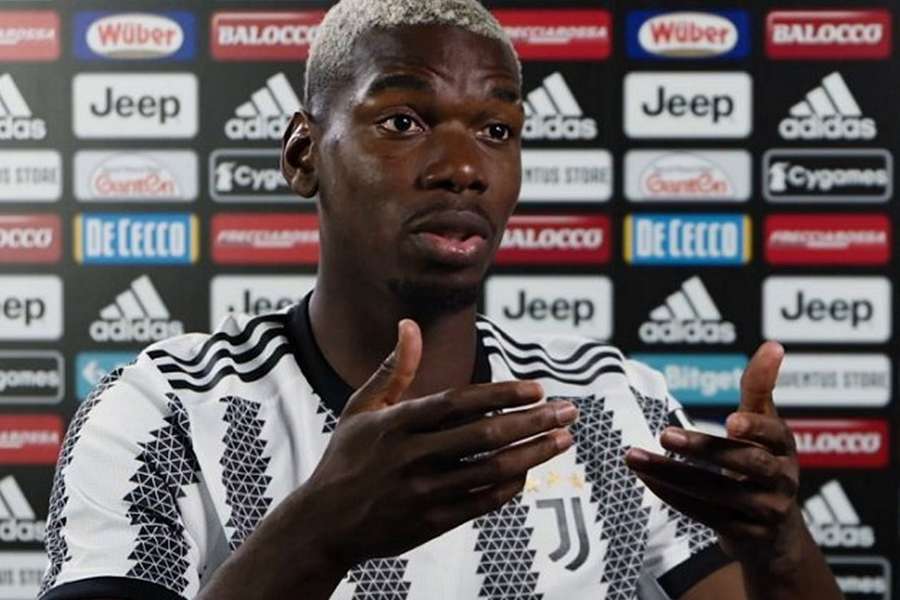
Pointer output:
x,y
695,181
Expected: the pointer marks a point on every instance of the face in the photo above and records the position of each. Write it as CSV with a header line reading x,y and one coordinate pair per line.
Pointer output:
x,y
417,163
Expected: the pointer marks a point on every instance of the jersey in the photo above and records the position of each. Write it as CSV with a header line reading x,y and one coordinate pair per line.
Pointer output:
x,y
174,460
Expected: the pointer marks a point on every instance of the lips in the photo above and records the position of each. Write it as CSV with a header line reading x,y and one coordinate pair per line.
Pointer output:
x,y
458,238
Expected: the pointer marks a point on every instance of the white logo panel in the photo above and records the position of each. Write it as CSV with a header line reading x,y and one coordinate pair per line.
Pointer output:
x,y
688,175
255,294
566,176
688,105
31,307
136,175
125,105
561,305
845,380
30,176
827,309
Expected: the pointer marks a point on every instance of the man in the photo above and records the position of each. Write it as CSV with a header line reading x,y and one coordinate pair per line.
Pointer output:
x,y
266,460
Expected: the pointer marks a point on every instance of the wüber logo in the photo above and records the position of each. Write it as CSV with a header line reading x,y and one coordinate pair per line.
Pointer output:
x,y
16,120
105,35
687,175
828,34
265,116
136,238
270,238
847,239
135,175
18,523
553,113
841,444
824,175
248,176
827,309
688,316
32,238
130,105
137,315
829,112
687,239
834,522
571,34
269,35
30,439
552,239
688,34
29,35
694,104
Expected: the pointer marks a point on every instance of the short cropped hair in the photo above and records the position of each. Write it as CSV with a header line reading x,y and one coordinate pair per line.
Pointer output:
x,y
330,55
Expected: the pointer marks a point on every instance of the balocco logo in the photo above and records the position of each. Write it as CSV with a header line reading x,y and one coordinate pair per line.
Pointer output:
x,y
552,239
836,443
25,238
828,34
269,35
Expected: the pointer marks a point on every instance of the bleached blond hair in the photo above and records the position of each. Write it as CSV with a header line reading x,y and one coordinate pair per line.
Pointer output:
x,y
331,52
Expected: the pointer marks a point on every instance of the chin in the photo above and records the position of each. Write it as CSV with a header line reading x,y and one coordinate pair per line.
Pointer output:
x,y
434,297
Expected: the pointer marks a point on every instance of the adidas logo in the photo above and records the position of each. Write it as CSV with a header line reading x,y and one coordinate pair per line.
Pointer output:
x,y
265,116
553,113
17,519
137,315
829,112
833,521
689,316
16,120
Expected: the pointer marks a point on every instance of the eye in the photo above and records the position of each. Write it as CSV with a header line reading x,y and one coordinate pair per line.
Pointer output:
x,y
498,132
400,124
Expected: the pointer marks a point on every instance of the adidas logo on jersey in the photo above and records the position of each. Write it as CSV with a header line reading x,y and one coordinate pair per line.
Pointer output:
x,y
833,522
16,120
689,316
17,518
829,112
265,116
137,315
553,113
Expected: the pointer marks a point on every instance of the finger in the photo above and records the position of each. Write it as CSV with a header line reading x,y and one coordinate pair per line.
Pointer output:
x,y
738,456
473,504
771,432
465,403
491,433
393,376
503,465
679,473
758,379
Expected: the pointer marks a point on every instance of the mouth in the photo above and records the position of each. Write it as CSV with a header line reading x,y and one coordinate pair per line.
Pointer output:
x,y
458,238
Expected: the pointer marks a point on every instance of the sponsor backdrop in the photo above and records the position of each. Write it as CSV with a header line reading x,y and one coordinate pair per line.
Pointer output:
x,y
694,181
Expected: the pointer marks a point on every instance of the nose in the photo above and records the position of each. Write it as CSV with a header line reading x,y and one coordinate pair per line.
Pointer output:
x,y
454,162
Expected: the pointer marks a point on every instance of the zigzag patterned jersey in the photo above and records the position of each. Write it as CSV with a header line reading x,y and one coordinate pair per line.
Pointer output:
x,y
175,459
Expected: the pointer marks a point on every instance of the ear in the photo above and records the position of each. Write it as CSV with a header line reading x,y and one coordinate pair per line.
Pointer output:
x,y
297,153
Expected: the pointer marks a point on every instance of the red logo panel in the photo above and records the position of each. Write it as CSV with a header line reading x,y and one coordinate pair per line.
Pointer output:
x,y
30,439
271,238
841,239
29,35
558,240
267,35
828,34
30,238
558,34
835,443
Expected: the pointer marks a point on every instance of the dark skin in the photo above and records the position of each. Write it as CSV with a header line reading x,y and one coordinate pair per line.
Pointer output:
x,y
417,163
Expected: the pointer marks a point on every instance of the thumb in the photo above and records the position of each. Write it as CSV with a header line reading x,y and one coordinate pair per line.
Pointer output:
x,y
759,378
394,374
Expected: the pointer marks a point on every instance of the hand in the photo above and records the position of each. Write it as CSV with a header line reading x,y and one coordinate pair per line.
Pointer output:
x,y
747,488
391,477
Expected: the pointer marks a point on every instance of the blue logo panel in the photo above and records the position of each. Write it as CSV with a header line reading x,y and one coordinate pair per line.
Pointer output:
x,y
135,36
688,35
688,239
136,239
700,379
91,367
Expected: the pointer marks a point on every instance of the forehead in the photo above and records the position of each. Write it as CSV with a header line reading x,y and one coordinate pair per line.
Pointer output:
x,y
440,53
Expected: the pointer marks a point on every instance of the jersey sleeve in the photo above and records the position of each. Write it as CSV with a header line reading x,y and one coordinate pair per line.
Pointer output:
x,y
680,551
125,518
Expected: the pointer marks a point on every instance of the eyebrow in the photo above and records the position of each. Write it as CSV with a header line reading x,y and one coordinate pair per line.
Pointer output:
x,y
408,81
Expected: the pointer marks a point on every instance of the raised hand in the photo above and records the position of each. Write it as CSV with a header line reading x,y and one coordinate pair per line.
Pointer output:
x,y
392,476
743,486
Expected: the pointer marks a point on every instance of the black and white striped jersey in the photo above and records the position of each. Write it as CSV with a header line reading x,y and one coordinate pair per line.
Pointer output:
x,y
173,461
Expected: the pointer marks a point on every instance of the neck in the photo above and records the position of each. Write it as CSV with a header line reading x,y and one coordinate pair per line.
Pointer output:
x,y
357,328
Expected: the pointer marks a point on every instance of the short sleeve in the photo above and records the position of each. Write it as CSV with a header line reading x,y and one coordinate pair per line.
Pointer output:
x,y
680,551
125,518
